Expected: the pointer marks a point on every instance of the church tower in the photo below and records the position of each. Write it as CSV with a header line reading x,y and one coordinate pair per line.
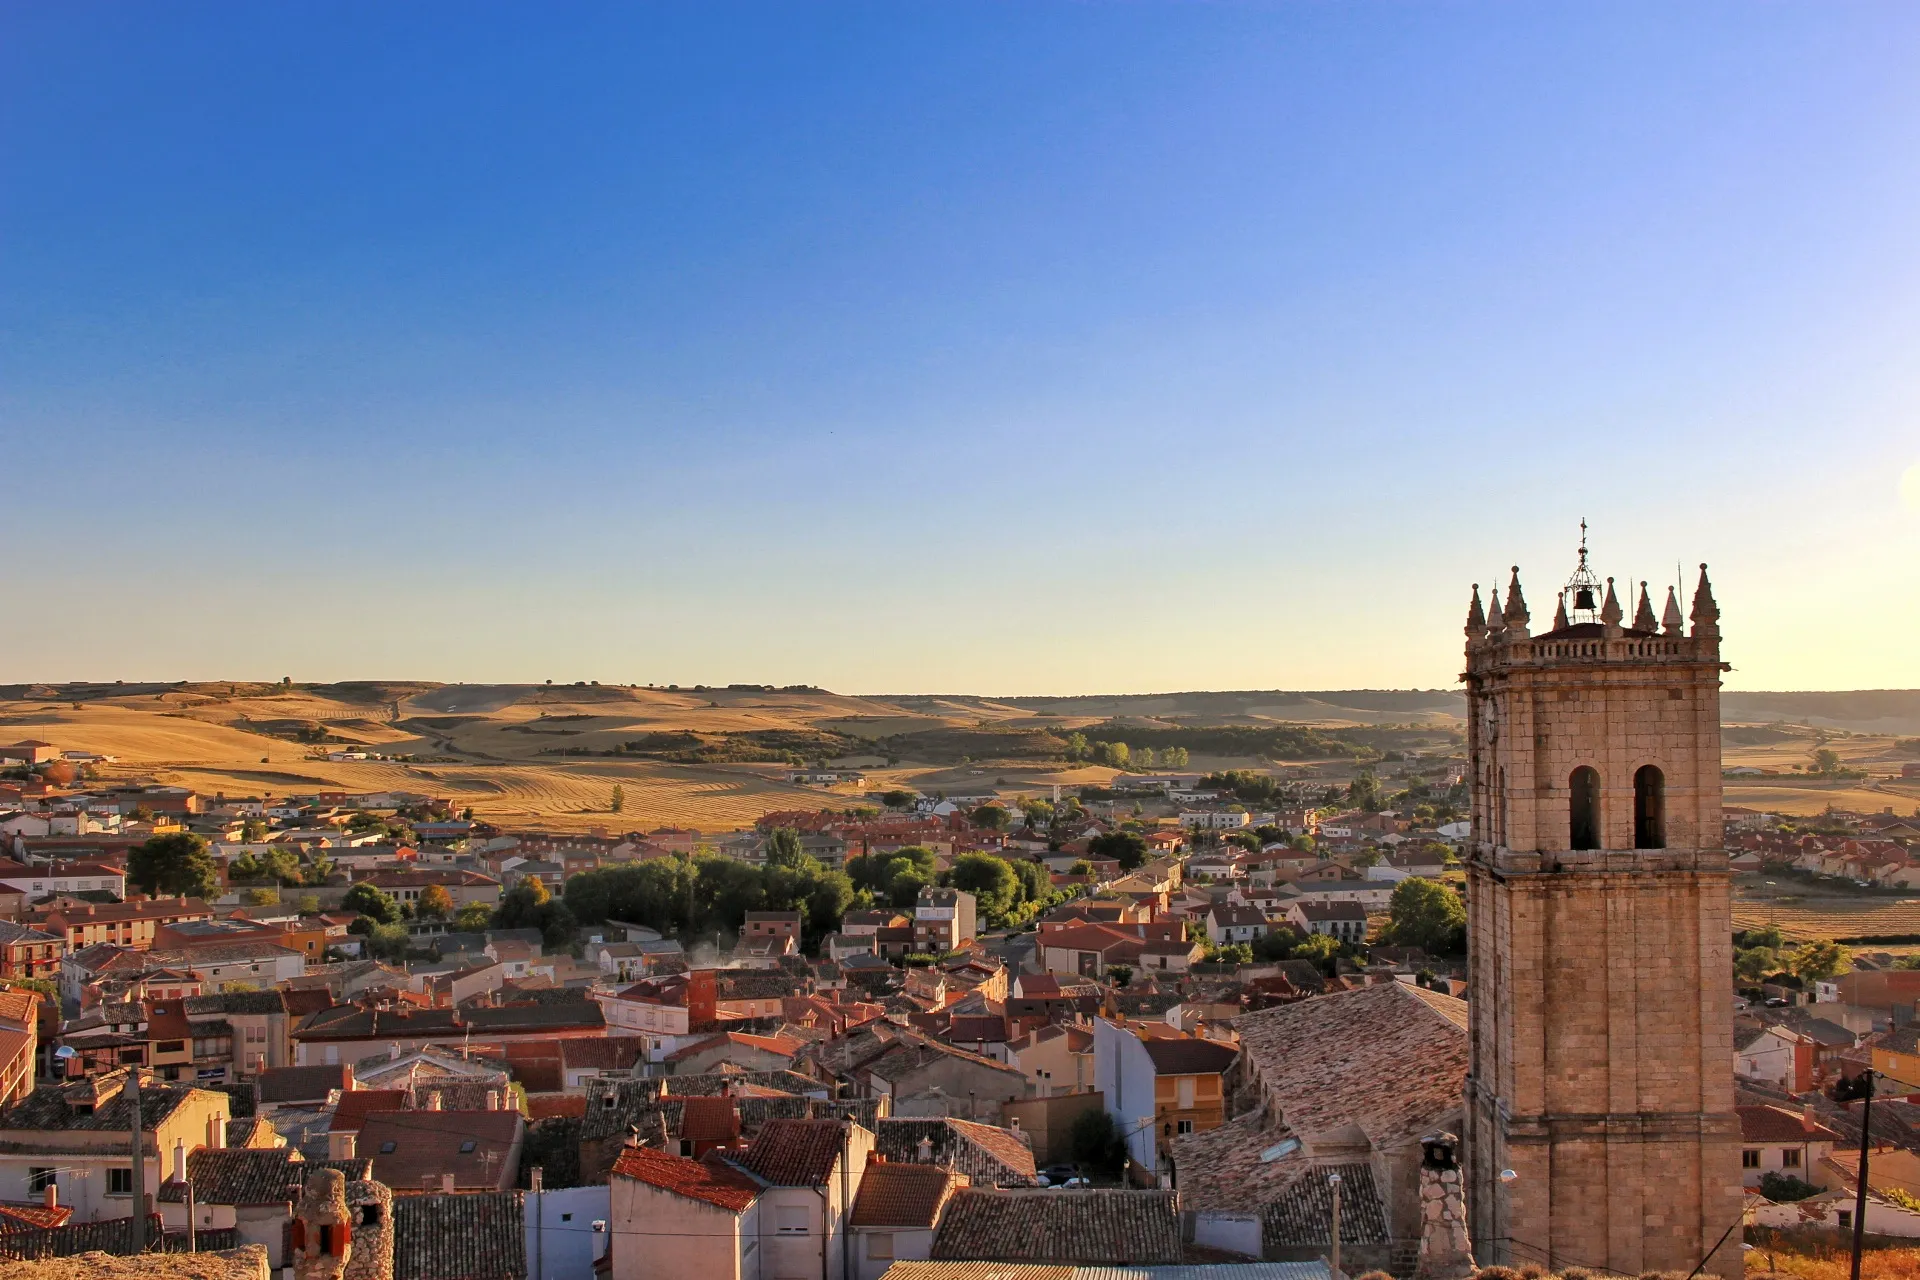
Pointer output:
x,y
1600,1129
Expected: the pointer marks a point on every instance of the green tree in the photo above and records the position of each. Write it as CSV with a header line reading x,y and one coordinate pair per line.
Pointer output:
x,y
174,865
1119,974
371,903
1751,964
1819,961
991,816
1124,847
1770,937
1081,867
1826,760
1317,947
259,897
899,798
1096,1143
1076,746
783,848
1429,915
1174,758
618,800
1364,792
1143,758
992,882
473,918
435,903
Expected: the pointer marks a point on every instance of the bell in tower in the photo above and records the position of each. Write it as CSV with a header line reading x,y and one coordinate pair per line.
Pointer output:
x,y
1580,598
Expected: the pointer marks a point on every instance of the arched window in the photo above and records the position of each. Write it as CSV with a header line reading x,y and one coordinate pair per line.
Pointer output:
x,y
1649,808
1583,809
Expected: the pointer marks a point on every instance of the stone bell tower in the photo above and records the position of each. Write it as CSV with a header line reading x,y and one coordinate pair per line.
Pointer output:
x,y
1600,1129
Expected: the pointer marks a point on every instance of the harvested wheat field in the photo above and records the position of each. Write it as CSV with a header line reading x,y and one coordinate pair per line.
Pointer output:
x,y
1835,918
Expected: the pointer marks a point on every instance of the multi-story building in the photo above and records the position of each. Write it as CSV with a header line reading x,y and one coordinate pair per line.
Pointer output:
x,y
130,924
943,919
29,953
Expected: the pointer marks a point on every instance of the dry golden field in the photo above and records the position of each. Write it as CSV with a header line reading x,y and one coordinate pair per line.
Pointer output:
x,y
492,741
498,747
1841,918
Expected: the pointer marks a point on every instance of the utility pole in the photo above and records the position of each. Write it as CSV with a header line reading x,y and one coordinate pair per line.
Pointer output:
x,y
1845,1091
138,1235
1333,1263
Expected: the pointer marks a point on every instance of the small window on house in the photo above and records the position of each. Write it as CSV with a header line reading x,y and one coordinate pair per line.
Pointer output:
x,y
40,1178
466,1148
1789,1157
791,1220
1846,1219
120,1181
1185,1126
1749,1159
386,1148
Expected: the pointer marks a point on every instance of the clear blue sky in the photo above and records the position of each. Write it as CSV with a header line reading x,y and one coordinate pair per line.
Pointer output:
x,y
990,347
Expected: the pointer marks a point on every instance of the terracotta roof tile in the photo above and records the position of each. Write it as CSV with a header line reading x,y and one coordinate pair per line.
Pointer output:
x,y
441,1142
1390,1059
713,1182
1189,1056
1777,1124
900,1195
794,1153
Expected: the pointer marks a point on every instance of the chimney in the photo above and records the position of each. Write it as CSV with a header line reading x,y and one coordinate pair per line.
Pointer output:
x,y
180,1160
446,1184
1807,1121
51,1196
925,1150
430,1182
433,1100
1445,1251
536,1179
493,1099
1013,1123
340,1146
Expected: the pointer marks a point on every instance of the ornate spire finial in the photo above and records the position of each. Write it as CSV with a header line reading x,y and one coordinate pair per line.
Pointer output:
x,y
1670,619
1610,611
1476,619
1560,613
1496,616
1706,613
1516,614
1643,615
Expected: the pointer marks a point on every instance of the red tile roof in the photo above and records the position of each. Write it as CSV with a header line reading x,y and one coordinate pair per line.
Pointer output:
x,y
795,1153
1777,1124
710,1181
357,1104
709,1120
900,1195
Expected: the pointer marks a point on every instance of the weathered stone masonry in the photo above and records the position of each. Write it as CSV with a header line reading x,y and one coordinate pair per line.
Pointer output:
x,y
1599,936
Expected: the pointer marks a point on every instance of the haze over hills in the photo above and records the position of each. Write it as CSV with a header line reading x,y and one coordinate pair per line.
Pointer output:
x,y
715,757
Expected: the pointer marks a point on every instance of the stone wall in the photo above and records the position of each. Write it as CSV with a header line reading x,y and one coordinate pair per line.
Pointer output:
x,y
1601,1012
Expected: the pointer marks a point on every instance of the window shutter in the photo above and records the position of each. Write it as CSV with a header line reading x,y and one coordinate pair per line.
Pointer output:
x,y
299,1233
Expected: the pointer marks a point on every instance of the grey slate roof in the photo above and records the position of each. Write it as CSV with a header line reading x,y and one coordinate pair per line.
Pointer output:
x,y
1303,1214
1097,1226
472,1236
